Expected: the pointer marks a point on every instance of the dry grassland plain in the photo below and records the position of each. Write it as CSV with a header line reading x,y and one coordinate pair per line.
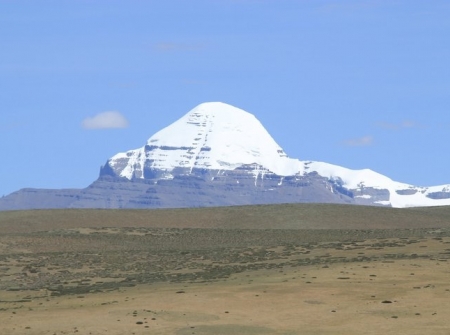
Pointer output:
x,y
283,269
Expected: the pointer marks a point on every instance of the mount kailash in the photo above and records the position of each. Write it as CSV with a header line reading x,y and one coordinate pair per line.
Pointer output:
x,y
219,155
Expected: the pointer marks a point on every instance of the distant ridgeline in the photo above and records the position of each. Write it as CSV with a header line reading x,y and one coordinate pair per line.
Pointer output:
x,y
220,155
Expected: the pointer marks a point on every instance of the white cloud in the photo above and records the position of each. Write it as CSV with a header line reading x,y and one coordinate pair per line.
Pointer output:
x,y
359,142
105,120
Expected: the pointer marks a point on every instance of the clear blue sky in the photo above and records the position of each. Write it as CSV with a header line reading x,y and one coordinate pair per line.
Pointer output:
x,y
361,84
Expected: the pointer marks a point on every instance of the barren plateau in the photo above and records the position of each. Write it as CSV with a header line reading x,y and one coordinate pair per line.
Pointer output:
x,y
282,269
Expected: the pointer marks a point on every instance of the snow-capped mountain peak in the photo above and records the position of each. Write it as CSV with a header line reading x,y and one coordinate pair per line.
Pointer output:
x,y
215,136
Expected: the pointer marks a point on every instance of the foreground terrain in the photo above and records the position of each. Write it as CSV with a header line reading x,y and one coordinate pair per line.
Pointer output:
x,y
240,270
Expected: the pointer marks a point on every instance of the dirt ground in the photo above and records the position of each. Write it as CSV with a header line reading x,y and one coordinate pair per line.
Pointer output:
x,y
169,281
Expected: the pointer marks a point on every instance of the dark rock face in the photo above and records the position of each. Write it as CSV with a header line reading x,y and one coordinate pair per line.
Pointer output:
x,y
196,188
439,195
370,195
409,191
203,188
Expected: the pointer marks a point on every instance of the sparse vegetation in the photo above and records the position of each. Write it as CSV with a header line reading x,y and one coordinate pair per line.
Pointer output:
x,y
164,266
287,216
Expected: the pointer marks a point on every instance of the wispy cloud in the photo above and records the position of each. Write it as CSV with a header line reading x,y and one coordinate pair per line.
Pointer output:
x,y
105,120
12,126
359,142
123,85
397,126
194,82
171,47
349,6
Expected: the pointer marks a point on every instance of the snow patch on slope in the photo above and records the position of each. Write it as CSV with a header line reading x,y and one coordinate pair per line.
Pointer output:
x,y
366,178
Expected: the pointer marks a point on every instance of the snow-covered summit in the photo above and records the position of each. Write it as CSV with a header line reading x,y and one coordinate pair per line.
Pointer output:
x,y
218,136
213,135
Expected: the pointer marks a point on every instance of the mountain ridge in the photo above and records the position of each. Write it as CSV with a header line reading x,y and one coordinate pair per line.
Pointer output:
x,y
220,155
